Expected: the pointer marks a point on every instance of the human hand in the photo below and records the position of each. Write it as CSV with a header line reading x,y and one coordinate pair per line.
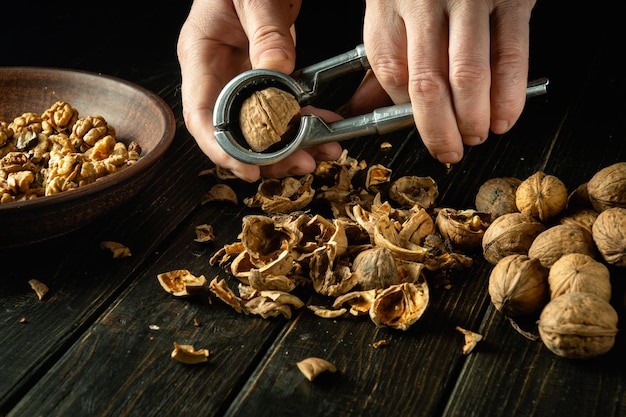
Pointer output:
x,y
463,64
219,40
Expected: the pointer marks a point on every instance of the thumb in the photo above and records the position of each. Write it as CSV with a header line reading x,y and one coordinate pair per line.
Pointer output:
x,y
269,27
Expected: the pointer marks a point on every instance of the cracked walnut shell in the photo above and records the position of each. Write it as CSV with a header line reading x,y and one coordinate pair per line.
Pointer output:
x,y
267,116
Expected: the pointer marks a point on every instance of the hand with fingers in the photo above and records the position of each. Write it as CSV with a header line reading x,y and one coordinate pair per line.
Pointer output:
x,y
463,65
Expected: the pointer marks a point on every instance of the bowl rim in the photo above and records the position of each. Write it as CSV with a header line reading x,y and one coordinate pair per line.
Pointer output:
x,y
104,183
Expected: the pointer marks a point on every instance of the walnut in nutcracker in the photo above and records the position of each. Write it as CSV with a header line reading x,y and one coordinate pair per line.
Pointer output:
x,y
542,196
268,116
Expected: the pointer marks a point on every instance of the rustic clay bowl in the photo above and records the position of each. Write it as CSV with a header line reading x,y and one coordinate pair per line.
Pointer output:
x,y
135,113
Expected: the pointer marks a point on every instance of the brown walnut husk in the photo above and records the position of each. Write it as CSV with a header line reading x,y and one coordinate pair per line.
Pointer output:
x,y
576,272
542,196
497,196
518,285
559,240
511,233
609,235
267,116
607,188
578,325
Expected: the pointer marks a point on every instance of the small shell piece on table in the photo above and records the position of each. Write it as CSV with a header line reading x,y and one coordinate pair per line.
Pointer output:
x,y
181,282
312,367
471,339
188,355
117,249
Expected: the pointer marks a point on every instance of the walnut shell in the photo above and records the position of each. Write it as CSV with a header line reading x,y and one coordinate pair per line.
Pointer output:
x,y
607,188
267,116
578,325
609,235
497,196
518,285
511,233
559,240
542,196
576,272
464,229
399,306
411,190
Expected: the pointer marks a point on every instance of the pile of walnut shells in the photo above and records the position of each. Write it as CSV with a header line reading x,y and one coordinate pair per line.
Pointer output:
x,y
551,251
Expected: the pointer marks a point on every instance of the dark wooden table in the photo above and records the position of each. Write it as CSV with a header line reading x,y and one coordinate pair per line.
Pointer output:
x,y
100,343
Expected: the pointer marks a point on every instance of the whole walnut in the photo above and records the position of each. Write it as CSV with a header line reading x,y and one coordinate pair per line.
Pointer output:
x,y
542,196
511,233
609,235
576,272
518,285
578,325
559,240
375,268
607,188
584,217
267,116
497,196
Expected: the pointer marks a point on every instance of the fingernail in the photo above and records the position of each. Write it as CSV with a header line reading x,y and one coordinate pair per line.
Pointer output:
x,y
271,56
499,126
448,157
472,140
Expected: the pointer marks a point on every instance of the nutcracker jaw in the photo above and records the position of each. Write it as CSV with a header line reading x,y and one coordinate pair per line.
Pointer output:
x,y
312,130
228,106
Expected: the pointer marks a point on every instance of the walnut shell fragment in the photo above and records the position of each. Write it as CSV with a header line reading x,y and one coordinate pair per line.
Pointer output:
x,y
409,191
220,192
313,367
267,116
282,195
578,325
464,229
181,282
204,233
471,340
400,306
188,355
117,249
39,287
